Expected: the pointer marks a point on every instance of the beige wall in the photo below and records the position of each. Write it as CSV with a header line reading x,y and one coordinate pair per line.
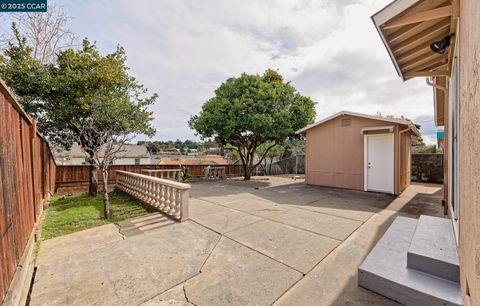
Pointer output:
x,y
335,157
405,164
469,146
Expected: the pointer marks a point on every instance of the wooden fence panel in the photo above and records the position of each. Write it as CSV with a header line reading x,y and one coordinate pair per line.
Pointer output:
x,y
27,178
75,178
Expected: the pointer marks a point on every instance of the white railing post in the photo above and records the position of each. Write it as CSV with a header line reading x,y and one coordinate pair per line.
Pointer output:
x,y
168,196
169,174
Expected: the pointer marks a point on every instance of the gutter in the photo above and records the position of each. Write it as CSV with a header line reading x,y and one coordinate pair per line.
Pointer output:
x,y
436,86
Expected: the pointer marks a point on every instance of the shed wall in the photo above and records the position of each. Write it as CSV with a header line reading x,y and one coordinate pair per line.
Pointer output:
x,y
334,153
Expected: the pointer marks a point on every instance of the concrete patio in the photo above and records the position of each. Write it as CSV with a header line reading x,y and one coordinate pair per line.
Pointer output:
x,y
262,242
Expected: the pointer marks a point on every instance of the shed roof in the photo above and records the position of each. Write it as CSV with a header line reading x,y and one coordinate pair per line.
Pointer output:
x,y
373,117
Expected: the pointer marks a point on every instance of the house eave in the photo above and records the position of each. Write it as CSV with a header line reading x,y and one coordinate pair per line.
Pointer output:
x,y
408,28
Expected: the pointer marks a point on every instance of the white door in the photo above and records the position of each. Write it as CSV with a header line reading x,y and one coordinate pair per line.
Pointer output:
x,y
379,165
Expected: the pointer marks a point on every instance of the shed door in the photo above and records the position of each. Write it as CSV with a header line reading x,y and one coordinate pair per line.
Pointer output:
x,y
379,165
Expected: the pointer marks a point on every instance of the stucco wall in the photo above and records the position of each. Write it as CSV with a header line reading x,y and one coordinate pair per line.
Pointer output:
x,y
334,153
469,146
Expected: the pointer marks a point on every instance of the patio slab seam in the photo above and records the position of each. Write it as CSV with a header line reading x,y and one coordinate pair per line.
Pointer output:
x,y
248,247
209,254
303,229
151,297
318,212
292,206
364,224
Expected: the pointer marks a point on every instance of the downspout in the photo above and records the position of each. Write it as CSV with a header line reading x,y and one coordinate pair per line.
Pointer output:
x,y
436,86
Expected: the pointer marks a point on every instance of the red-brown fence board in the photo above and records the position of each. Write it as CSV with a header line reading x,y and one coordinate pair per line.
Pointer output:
x,y
75,178
27,178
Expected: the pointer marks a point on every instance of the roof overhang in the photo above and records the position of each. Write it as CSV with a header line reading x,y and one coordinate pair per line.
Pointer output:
x,y
409,27
404,122
377,128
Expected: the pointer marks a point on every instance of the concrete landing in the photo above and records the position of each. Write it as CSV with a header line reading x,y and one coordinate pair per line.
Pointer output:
x,y
385,271
433,249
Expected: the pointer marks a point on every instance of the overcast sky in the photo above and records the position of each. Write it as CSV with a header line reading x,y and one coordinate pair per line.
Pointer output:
x,y
183,50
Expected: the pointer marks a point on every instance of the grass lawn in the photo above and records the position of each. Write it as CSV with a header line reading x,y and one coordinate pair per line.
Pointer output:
x,y
69,214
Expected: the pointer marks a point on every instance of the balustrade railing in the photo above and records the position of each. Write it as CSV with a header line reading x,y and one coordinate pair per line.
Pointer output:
x,y
169,174
165,195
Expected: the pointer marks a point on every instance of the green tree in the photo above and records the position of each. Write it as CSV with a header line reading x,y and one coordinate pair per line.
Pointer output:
x,y
424,149
251,110
81,97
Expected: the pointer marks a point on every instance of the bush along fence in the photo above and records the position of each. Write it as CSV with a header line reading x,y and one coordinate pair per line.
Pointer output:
x,y
27,179
71,179
427,167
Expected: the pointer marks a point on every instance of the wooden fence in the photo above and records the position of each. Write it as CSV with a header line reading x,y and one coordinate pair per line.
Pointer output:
x,y
71,179
27,179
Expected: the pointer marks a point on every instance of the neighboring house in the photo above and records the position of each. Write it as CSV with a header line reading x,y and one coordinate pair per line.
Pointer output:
x,y
192,152
194,160
358,151
132,155
438,40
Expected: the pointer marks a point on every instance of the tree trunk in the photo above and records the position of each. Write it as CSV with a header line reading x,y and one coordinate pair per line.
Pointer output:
x,y
93,181
246,171
106,199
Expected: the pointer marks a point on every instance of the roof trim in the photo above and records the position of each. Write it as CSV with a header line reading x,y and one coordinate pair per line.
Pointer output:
x,y
384,15
348,113
377,128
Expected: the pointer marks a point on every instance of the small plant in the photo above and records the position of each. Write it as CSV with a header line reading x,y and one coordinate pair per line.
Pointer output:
x,y
184,176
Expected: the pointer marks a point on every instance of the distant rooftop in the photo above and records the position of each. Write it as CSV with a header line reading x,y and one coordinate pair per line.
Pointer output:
x,y
194,160
130,151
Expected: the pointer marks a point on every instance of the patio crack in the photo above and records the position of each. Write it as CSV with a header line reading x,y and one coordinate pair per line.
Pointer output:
x,y
120,231
185,294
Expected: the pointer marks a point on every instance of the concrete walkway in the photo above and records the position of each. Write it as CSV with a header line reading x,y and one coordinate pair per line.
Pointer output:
x,y
268,242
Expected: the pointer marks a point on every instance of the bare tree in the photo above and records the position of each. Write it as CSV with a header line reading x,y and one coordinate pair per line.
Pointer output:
x,y
105,146
47,33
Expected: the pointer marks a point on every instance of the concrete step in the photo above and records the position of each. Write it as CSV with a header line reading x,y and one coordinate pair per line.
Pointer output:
x,y
385,271
433,249
143,224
